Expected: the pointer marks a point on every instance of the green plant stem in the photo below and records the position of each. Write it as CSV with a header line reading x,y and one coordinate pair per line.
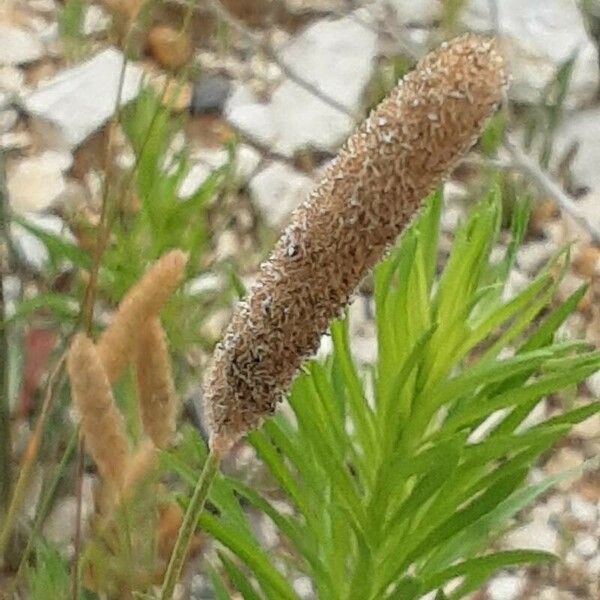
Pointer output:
x,y
186,531
5,436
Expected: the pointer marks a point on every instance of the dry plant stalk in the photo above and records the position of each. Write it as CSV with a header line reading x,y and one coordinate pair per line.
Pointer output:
x,y
142,303
101,422
156,391
367,197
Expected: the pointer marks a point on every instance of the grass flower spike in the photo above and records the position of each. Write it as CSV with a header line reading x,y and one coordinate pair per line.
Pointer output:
x,y
156,391
367,197
101,422
142,303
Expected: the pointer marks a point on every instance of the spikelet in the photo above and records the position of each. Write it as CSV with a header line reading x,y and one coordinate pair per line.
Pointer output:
x,y
366,198
140,466
143,302
156,392
101,422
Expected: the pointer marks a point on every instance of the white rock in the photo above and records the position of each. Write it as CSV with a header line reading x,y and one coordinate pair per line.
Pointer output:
x,y
303,587
277,190
12,80
540,35
44,6
95,20
204,284
48,34
515,284
536,535
593,383
19,46
11,288
550,593
249,115
586,545
79,100
194,178
60,525
533,255
587,430
245,162
584,512
506,587
8,118
15,140
423,13
336,56
31,249
36,183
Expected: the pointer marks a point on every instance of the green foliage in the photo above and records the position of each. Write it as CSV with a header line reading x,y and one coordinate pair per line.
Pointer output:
x,y
70,26
51,578
396,485
160,222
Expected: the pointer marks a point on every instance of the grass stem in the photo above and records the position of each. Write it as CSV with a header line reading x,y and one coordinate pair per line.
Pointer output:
x,y
186,531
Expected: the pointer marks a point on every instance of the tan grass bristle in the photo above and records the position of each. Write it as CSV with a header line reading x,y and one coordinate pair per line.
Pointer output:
x,y
156,391
366,198
102,424
143,302
141,464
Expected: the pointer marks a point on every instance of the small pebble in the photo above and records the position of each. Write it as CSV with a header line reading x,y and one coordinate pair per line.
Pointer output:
x,y
506,587
586,545
210,94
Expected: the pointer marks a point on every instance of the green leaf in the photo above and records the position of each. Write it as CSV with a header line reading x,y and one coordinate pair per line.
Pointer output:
x,y
238,579
268,577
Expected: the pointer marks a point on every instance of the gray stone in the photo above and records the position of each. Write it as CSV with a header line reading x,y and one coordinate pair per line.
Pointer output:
x,y
78,101
539,36
337,57
19,46
210,94
277,190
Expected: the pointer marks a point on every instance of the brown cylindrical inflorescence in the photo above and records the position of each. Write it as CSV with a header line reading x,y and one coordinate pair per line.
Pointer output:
x,y
156,391
366,198
143,302
101,422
